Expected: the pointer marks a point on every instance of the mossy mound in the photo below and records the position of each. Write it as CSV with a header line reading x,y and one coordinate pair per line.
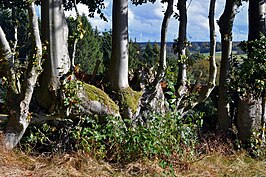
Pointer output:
x,y
96,94
129,99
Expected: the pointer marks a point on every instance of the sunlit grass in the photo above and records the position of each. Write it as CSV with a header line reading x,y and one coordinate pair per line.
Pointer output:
x,y
17,163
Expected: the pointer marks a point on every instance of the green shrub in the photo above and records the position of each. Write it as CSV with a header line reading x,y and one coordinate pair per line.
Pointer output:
x,y
160,138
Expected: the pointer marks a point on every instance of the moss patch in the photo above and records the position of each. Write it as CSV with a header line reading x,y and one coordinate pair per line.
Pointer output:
x,y
97,94
129,99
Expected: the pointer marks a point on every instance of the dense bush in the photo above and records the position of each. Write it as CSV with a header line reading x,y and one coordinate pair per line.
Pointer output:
x,y
162,137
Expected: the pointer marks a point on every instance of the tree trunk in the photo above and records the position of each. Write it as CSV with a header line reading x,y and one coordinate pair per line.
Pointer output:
x,y
206,91
181,49
263,116
19,116
225,23
213,67
72,52
257,26
257,22
247,118
162,63
153,100
118,70
57,62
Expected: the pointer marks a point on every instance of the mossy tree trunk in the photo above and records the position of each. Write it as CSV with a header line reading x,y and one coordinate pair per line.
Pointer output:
x,y
118,68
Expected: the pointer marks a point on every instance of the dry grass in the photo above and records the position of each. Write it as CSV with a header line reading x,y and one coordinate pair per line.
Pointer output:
x,y
218,159
232,165
16,164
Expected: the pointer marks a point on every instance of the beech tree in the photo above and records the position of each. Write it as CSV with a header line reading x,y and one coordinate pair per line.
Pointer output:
x,y
57,61
162,62
251,76
226,24
21,93
186,100
153,97
118,70
58,94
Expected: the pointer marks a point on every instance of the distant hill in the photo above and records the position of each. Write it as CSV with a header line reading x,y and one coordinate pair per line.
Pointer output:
x,y
201,47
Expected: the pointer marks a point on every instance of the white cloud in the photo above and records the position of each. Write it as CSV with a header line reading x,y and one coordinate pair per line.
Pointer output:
x,y
145,20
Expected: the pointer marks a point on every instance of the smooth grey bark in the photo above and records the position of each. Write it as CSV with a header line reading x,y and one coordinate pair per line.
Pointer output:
x,y
248,117
73,50
118,69
15,24
7,54
213,67
19,116
162,62
57,63
206,91
181,49
226,24
153,100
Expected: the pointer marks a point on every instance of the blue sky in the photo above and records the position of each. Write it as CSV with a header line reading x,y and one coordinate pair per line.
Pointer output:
x,y
145,21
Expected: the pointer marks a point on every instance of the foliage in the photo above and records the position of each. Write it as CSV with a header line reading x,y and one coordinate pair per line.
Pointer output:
x,y
106,47
256,147
140,2
3,93
71,99
209,107
198,64
93,6
90,40
151,54
249,73
134,55
161,138
7,22
172,68
13,3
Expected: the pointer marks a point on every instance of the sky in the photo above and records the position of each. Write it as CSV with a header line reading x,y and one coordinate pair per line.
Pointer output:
x,y
145,21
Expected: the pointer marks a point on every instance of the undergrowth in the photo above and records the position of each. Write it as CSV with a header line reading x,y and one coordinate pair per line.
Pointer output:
x,y
162,138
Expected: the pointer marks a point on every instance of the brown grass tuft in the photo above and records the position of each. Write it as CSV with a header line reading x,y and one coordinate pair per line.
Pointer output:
x,y
217,158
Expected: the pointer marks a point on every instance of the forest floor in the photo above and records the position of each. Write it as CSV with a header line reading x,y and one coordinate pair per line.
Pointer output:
x,y
17,164
218,159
